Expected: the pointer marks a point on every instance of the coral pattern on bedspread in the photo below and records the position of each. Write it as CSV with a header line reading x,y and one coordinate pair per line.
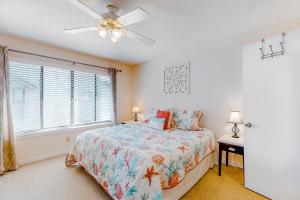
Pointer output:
x,y
134,161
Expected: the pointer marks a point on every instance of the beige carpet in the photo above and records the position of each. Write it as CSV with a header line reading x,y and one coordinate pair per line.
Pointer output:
x,y
51,180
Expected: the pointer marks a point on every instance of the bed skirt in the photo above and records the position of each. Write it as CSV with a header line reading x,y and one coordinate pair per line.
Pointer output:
x,y
190,179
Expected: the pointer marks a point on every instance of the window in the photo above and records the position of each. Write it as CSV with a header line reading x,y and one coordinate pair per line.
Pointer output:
x,y
104,104
84,97
25,93
57,97
46,97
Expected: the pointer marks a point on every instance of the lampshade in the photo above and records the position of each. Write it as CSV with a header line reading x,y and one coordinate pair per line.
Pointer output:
x,y
135,109
235,117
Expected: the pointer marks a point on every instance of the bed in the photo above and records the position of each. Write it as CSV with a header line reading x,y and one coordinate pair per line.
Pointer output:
x,y
134,161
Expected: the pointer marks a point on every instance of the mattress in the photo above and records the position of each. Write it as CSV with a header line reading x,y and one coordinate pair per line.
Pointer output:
x,y
134,161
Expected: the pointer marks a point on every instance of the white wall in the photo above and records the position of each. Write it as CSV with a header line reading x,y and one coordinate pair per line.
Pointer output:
x,y
215,84
34,148
48,144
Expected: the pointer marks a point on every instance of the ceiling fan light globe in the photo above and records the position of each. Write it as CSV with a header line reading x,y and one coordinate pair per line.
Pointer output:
x,y
114,40
102,33
117,33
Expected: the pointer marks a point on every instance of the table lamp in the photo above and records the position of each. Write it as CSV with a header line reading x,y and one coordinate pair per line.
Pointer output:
x,y
135,110
236,119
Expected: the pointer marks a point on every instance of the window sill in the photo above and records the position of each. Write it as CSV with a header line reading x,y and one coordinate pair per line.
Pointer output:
x,y
59,131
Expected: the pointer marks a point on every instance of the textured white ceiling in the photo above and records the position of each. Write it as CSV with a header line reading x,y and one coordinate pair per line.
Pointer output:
x,y
174,24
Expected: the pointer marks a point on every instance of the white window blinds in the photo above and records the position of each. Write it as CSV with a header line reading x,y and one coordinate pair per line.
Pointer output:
x,y
46,97
84,97
25,88
57,97
104,102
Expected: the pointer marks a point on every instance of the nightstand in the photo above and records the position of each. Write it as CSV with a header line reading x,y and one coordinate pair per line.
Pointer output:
x,y
129,122
229,144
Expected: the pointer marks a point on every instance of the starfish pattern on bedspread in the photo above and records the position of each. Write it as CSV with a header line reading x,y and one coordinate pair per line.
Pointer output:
x,y
130,166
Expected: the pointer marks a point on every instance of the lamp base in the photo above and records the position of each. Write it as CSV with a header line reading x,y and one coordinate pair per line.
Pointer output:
x,y
235,131
135,117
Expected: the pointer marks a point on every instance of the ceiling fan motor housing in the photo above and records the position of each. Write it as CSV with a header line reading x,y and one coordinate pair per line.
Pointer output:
x,y
112,8
112,12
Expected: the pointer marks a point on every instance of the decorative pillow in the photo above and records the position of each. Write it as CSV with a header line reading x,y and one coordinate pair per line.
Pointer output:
x,y
152,114
188,120
157,123
172,123
165,115
171,118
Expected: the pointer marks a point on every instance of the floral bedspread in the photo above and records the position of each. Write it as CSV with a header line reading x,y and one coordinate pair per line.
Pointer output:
x,y
134,161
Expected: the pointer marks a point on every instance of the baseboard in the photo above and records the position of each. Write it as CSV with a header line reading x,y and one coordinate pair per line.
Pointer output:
x,y
233,163
230,163
42,157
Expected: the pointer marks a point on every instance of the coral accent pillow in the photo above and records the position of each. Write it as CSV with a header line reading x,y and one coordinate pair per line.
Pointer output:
x,y
165,115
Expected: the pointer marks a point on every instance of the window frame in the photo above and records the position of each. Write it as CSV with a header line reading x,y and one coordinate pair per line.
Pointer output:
x,y
72,125
58,131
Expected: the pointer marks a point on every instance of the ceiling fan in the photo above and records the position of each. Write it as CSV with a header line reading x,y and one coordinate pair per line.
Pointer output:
x,y
111,25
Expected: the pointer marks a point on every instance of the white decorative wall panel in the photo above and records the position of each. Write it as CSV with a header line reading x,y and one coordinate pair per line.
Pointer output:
x,y
177,79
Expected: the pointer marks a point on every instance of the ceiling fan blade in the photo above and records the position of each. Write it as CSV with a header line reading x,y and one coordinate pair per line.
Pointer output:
x,y
132,17
140,37
81,30
84,8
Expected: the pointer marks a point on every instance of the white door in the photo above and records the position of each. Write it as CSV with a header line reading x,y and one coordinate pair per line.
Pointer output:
x,y
272,106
